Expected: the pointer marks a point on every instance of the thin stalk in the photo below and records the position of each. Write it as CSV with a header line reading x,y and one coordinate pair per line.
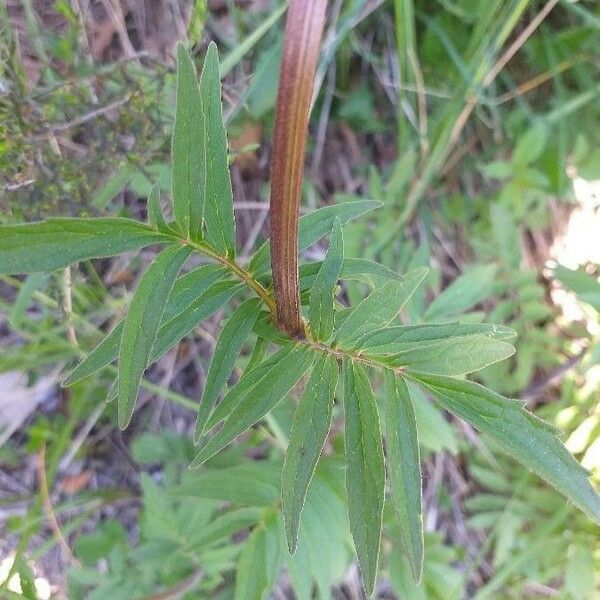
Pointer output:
x,y
303,32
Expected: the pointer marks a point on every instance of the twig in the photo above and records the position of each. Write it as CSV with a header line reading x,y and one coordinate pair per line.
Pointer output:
x,y
91,115
118,21
462,119
68,306
187,585
43,483
81,436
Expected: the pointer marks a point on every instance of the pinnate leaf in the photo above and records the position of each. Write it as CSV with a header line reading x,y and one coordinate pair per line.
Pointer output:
x,y
519,433
230,342
57,243
404,468
365,472
142,324
310,427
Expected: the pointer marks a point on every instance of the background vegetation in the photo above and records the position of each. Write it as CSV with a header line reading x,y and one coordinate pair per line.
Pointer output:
x,y
478,126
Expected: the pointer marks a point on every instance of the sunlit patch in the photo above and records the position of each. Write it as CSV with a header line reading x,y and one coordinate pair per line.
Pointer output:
x,y
43,589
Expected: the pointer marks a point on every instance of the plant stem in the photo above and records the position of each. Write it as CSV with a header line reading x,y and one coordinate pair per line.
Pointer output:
x,y
236,269
303,32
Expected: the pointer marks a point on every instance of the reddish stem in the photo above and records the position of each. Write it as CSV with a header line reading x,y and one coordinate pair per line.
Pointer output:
x,y
303,32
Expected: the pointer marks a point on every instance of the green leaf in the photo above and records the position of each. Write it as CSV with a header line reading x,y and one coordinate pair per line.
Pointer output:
x,y
313,227
463,293
258,564
324,542
155,214
519,433
323,288
57,243
389,340
531,144
585,286
231,339
224,526
258,353
142,324
187,289
457,355
26,577
251,483
249,380
218,209
185,322
359,269
102,355
188,151
498,170
404,469
310,427
365,473
257,401
18,310
379,308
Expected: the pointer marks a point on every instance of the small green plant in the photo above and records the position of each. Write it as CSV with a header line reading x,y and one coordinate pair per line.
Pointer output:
x,y
306,334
